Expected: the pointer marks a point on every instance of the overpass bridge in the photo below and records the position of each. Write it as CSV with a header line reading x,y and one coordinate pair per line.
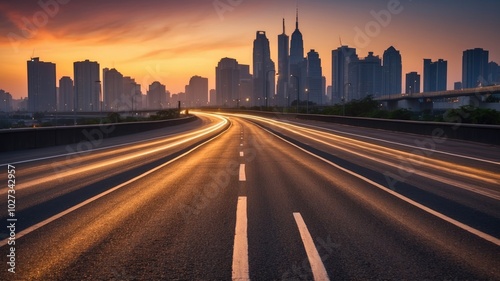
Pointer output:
x,y
443,99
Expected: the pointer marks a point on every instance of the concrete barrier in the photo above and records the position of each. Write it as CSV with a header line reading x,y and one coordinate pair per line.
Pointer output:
x,y
27,138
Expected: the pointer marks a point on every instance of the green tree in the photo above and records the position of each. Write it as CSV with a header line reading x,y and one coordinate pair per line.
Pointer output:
x,y
114,117
400,114
38,116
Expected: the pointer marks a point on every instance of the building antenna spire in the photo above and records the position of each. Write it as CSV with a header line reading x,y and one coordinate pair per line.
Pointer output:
x,y
283,25
297,18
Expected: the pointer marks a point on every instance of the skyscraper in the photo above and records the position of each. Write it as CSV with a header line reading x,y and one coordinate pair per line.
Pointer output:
x,y
42,94
198,91
263,70
297,65
157,96
213,97
227,76
412,83
245,85
341,58
474,68
314,78
493,73
297,44
435,75
114,99
283,67
392,72
66,94
87,85
365,76
6,101
132,95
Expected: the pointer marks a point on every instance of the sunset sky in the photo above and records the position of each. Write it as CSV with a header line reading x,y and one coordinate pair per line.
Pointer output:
x,y
170,41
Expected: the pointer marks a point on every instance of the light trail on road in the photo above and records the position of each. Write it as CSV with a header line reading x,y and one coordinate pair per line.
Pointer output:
x,y
240,197
409,163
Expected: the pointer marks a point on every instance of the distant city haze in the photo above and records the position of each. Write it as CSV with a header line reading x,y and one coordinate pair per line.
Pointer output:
x,y
171,42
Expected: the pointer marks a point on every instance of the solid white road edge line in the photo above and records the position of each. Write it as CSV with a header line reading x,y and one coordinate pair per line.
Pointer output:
x,y
463,226
90,200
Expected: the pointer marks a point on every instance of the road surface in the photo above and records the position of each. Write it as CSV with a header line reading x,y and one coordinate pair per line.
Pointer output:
x,y
242,197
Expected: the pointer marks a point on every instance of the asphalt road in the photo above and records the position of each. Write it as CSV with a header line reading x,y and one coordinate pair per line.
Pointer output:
x,y
240,197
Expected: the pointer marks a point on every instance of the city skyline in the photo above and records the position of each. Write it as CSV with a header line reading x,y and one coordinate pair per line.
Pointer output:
x,y
182,40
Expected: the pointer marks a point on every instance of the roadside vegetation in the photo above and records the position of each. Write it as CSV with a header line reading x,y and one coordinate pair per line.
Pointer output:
x,y
44,119
369,108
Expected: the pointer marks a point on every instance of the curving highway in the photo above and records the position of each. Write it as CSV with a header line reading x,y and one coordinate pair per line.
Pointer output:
x,y
239,197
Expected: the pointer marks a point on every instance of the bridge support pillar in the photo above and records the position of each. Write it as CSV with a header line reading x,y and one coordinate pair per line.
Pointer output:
x,y
426,104
391,105
410,104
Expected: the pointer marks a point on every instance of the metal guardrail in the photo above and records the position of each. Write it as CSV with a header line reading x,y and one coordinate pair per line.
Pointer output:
x,y
442,94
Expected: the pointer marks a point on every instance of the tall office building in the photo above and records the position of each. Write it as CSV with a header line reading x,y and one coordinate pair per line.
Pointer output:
x,y
66,94
392,72
298,66
474,68
263,70
157,96
213,97
297,44
114,99
365,76
227,76
329,90
283,68
493,73
314,90
87,85
42,93
132,95
181,97
341,58
435,75
6,101
245,85
412,83
198,91
103,101
323,90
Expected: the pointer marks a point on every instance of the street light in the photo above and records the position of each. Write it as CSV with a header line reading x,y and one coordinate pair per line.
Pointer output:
x,y
267,84
307,100
298,89
343,97
98,84
75,106
7,113
133,95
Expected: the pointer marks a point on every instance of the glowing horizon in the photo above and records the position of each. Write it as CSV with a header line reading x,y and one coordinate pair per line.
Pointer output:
x,y
171,42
